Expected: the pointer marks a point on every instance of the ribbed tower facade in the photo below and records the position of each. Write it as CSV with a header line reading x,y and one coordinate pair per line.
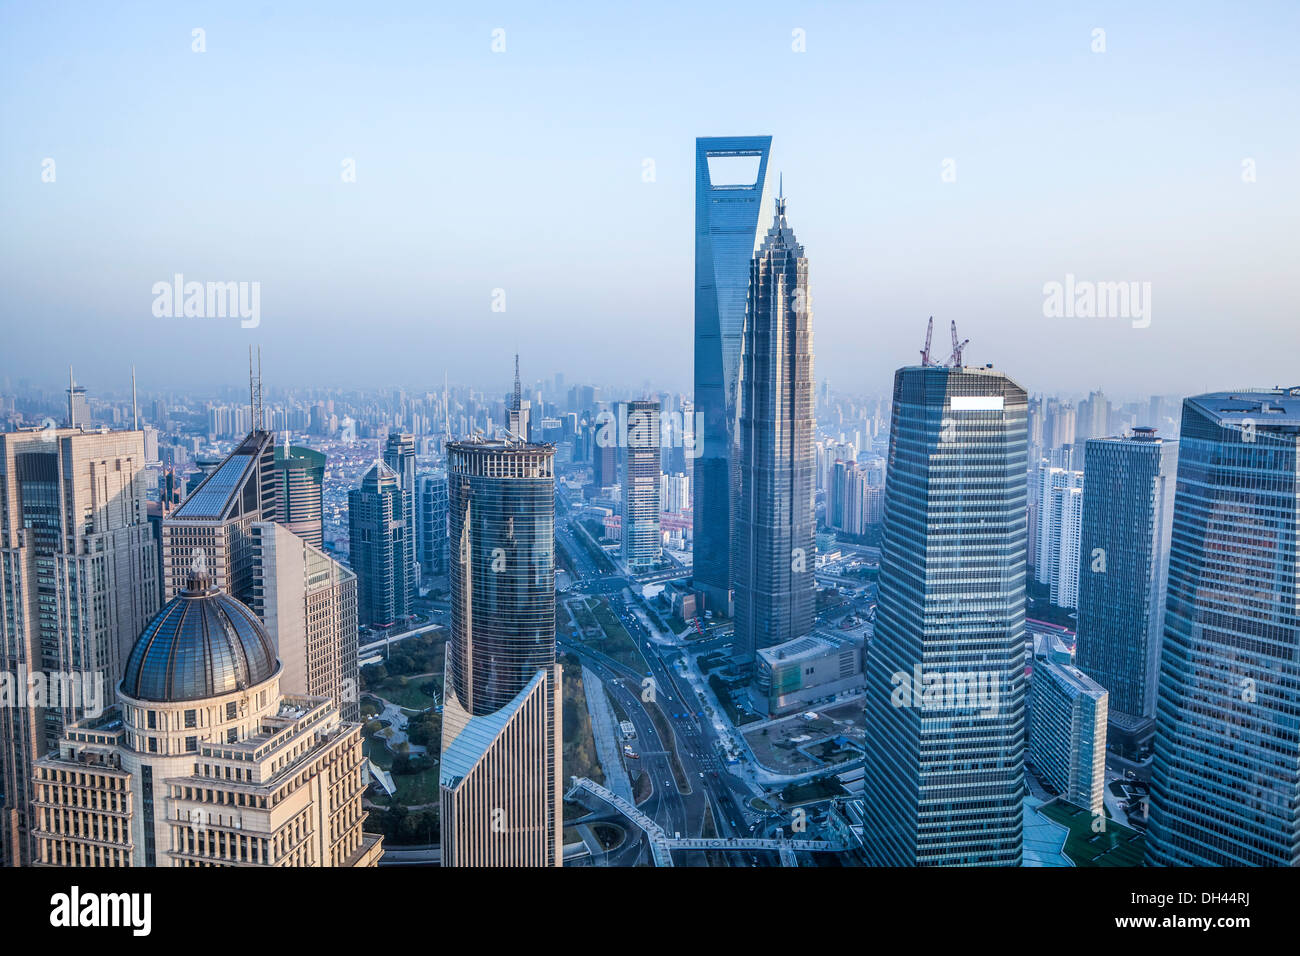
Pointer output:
x,y
945,694
775,526
399,455
1128,511
500,772
377,543
1225,781
731,191
642,545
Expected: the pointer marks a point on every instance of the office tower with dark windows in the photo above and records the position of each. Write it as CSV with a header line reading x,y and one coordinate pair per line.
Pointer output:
x,y
1128,513
431,523
300,476
379,552
399,455
1225,780
204,758
213,525
642,544
945,691
78,575
308,604
731,191
500,774
775,547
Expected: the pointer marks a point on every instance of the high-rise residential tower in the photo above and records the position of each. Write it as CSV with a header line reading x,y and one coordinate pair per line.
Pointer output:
x,y
731,191
1128,512
1225,780
945,692
378,547
78,576
775,524
642,544
500,773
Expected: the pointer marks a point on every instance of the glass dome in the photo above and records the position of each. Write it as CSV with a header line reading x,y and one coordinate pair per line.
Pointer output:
x,y
202,644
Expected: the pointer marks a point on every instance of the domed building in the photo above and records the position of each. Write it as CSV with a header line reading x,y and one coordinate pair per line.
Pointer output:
x,y
204,762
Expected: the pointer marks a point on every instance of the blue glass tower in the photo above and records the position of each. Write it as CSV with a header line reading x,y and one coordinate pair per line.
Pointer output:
x,y
1225,781
1128,506
731,190
945,690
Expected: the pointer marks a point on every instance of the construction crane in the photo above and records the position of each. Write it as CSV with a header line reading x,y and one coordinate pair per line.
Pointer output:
x,y
925,352
954,360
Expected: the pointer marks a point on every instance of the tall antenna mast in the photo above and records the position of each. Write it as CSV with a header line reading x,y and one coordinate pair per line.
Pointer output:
x,y
261,420
135,406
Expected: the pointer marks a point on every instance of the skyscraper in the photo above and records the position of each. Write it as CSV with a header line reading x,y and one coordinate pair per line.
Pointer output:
x,y
1128,512
642,545
216,519
731,191
308,604
78,576
519,410
204,760
500,773
300,476
775,548
945,707
78,407
1225,780
378,548
431,523
399,455
1067,733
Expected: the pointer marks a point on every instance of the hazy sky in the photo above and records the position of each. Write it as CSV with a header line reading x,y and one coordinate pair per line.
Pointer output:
x,y
524,171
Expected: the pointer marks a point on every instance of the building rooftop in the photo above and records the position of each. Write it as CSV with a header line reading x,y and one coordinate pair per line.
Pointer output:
x,y
202,644
1264,407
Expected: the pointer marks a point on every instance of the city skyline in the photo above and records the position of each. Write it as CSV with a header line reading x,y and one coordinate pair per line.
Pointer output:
x,y
1127,191
586,503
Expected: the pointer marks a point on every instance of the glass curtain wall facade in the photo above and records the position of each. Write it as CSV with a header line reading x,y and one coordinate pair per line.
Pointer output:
x,y
945,694
1128,511
1225,780
729,200
500,775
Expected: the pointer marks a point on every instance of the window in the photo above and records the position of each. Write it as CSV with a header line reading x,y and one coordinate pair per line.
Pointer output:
x,y
191,718
232,735
231,712
152,719
191,744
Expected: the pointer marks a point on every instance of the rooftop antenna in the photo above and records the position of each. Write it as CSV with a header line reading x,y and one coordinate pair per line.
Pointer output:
x,y
252,402
260,416
135,406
